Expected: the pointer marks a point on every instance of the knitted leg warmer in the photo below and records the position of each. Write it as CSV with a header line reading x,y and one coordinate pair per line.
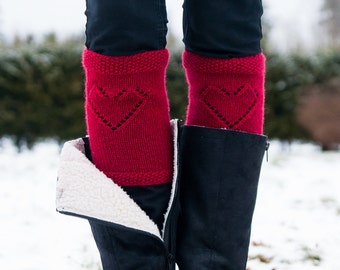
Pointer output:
x,y
226,93
127,115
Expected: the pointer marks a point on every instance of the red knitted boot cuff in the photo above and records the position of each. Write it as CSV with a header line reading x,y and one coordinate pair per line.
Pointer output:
x,y
226,93
127,116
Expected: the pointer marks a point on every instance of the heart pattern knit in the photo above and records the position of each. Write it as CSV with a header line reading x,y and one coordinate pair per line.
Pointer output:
x,y
226,93
127,116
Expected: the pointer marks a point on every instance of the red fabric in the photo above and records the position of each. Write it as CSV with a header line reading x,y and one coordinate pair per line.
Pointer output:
x,y
127,115
226,93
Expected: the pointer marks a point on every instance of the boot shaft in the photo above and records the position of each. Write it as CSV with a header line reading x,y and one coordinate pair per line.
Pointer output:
x,y
219,179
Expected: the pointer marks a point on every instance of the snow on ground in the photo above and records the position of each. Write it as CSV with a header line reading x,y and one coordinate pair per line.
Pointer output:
x,y
32,235
296,224
297,219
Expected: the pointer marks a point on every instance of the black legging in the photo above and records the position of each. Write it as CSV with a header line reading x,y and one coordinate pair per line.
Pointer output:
x,y
212,28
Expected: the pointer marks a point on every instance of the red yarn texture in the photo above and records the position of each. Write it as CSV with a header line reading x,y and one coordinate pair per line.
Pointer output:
x,y
127,116
226,93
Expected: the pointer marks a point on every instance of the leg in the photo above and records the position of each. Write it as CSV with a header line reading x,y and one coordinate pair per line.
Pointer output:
x,y
222,28
127,27
127,109
125,193
222,145
126,102
224,64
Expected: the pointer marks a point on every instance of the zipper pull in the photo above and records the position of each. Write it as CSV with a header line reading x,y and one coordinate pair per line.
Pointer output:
x,y
267,147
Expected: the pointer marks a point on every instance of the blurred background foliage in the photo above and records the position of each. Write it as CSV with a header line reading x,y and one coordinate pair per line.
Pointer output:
x,y
42,90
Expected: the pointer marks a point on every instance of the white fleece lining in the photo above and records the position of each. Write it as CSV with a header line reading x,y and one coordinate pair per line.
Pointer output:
x,y
84,190
174,126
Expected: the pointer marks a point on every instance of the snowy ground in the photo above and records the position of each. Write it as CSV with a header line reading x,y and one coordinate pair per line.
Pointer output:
x,y
296,223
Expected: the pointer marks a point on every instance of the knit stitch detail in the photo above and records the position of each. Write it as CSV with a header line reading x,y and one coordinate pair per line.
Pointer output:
x,y
226,93
254,64
133,110
235,120
132,64
127,116
136,178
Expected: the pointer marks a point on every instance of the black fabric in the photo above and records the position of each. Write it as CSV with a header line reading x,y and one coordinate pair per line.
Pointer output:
x,y
214,28
87,148
222,29
128,249
125,248
125,27
170,228
220,172
154,200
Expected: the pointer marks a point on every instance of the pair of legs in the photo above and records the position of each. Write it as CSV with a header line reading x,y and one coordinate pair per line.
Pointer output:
x,y
216,28
125,62
187,196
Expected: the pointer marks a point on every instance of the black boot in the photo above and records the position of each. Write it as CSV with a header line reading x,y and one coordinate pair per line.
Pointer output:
x,y
220,172
128,224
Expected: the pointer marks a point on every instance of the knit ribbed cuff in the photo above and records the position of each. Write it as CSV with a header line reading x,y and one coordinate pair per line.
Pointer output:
x,y
254,64
122,65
